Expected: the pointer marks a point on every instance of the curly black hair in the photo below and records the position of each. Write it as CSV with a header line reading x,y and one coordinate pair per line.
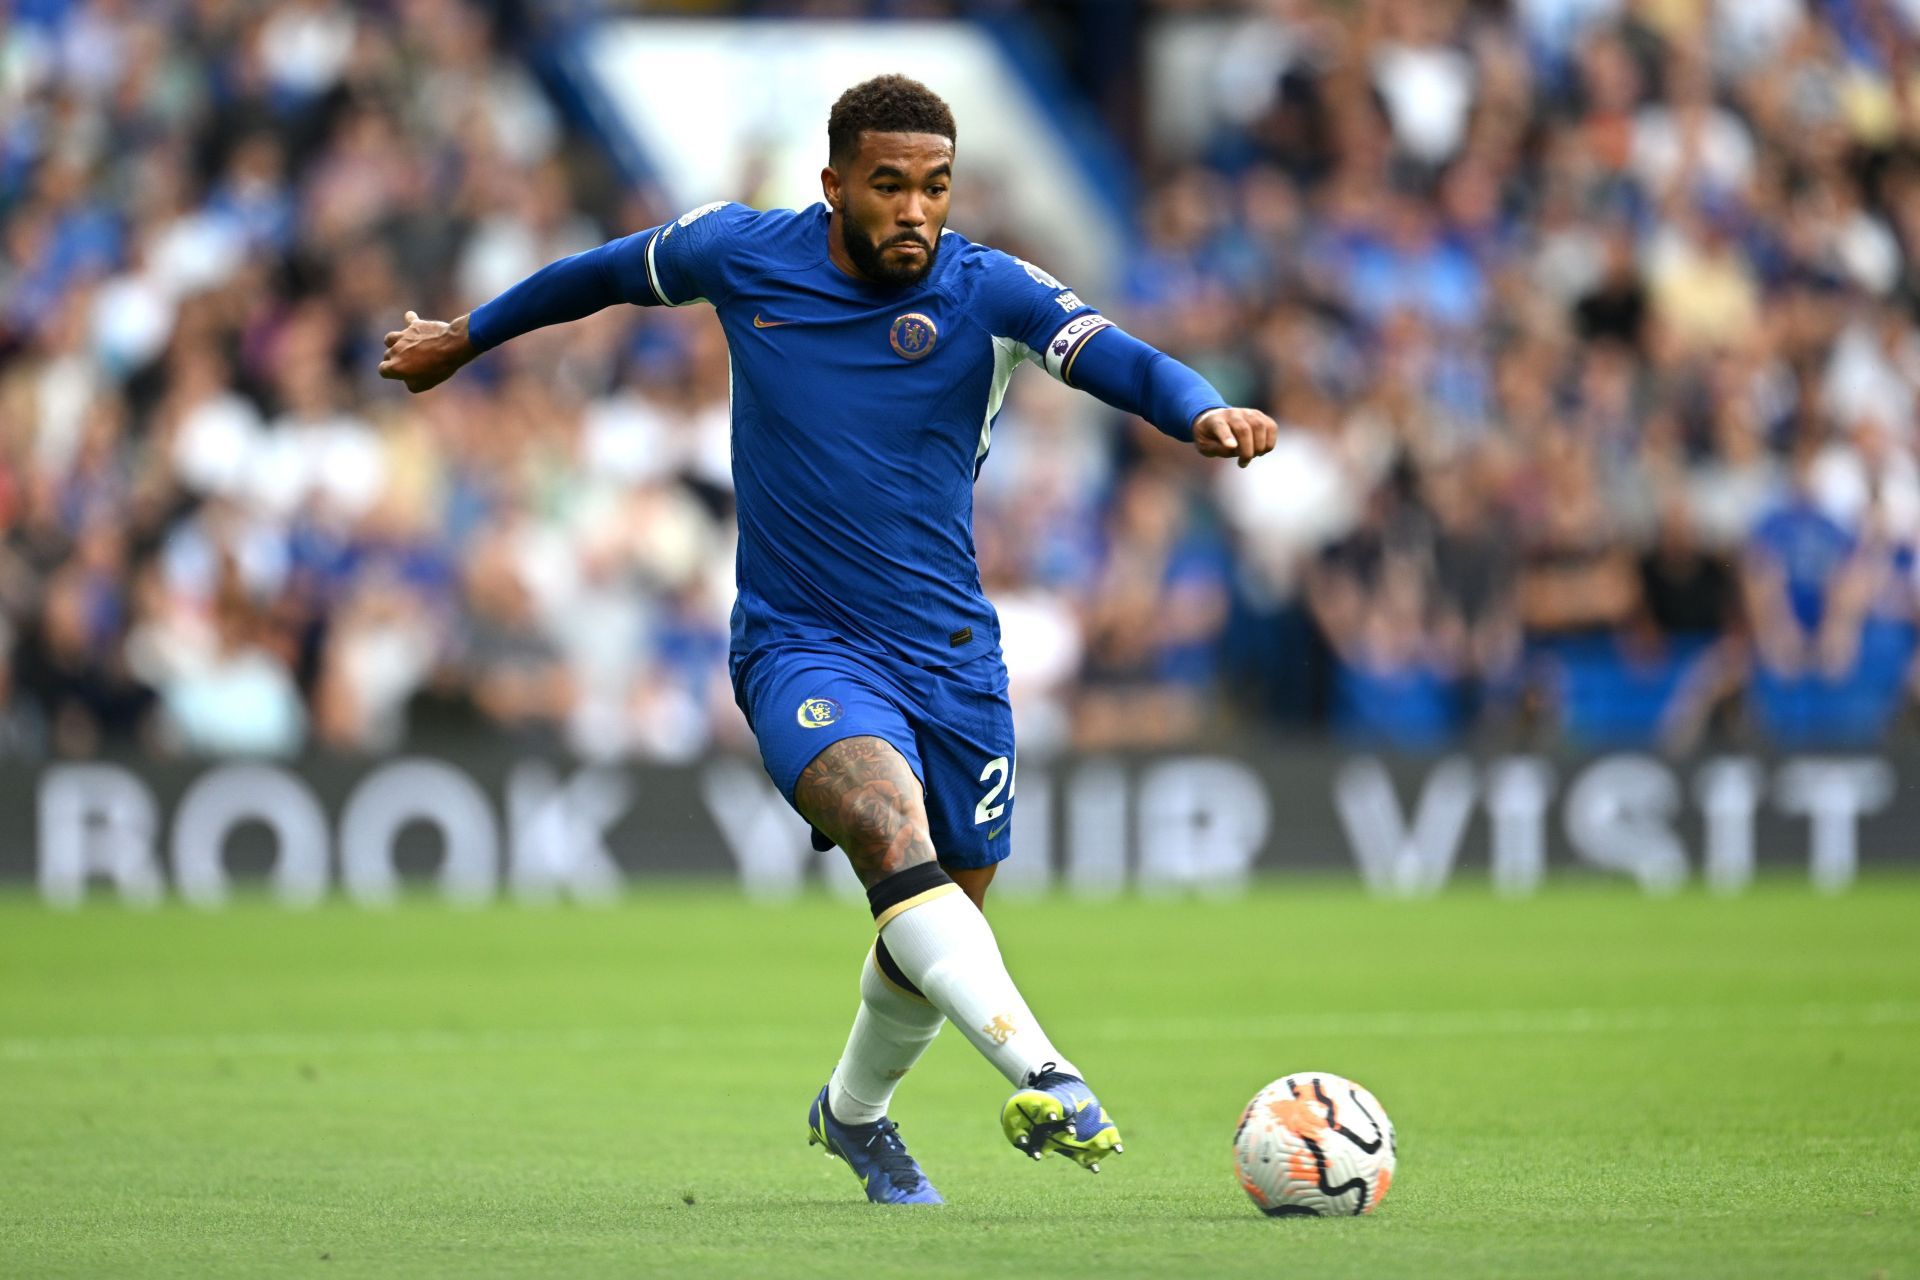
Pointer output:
x,y
884,104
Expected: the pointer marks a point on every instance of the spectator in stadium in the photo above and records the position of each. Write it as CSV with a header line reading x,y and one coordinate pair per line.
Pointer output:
x,y
228,691
71,665
1474,571
1373,598
1690,619
1794,561
1810,582
1040,639
518,677
1881,587
1577,581
1154,619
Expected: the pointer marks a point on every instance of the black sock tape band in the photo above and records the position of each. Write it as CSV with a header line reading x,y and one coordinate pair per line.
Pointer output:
x,y
891,895
890,969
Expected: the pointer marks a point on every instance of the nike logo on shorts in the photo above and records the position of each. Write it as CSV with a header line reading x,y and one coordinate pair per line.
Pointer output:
x,y
758,323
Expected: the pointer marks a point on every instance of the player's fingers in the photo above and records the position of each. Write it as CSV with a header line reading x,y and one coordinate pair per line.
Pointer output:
x,y
1269,434
1220,439
412,318
393,336
1249,443
1208,429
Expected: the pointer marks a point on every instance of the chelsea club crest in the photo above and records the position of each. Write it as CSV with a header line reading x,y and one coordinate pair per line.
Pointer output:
x,y
817,713
913,335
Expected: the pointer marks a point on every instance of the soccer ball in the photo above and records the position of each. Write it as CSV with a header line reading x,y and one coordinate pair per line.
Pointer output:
x,y
1314,1143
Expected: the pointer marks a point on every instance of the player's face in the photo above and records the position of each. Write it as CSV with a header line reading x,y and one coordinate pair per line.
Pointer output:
x,y
892,198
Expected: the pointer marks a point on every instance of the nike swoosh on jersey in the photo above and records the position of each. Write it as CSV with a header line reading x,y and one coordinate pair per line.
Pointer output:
x,y
758,323
994,831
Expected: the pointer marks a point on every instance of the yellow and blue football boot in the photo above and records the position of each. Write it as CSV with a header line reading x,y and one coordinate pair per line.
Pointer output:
x,y
875,1153
1057,1112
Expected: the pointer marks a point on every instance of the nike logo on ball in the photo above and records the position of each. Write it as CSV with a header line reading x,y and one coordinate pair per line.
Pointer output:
x,y
758,323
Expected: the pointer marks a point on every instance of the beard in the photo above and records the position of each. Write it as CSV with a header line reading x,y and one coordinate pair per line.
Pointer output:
x,y
867,256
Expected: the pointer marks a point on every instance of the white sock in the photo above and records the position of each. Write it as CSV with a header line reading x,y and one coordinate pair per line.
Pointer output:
x,y
890,1032
942,942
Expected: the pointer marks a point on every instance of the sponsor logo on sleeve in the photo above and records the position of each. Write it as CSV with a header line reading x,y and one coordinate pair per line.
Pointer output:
x,y
1070,301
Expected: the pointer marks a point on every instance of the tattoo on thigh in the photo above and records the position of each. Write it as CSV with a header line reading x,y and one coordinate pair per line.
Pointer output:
x,y
862,794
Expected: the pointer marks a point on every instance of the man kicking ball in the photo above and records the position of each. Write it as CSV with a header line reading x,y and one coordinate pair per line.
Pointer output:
x,y
871,350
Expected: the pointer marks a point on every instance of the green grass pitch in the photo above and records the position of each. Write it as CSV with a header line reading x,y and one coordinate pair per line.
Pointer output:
x,y
1588,1083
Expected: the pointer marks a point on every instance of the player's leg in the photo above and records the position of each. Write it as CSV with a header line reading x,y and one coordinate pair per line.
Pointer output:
x,y
894,1025
891,1029
966,746
800,701
895,1022
1056,1111
861,793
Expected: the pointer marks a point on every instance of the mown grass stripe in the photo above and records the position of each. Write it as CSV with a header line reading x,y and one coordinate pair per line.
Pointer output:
x,y
1486,1022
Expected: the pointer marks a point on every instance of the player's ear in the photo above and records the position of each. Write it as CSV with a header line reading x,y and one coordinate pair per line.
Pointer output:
x,y
830,187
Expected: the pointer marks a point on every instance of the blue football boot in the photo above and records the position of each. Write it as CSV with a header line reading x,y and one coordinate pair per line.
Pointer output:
x,y
1057,1112
878,1157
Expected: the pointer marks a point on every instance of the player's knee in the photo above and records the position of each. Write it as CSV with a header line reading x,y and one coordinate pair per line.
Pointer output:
x,y
883,832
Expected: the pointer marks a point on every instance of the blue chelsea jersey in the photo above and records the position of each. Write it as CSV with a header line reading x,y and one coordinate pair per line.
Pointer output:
x,y
861,416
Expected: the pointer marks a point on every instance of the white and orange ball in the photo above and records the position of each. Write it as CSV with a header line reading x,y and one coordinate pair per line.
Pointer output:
x,y
1312,1144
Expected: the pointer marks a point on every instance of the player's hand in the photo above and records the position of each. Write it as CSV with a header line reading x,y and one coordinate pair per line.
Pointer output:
x,y
1234,433
427,352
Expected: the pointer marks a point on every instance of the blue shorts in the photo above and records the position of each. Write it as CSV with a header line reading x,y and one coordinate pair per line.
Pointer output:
x,y
954,725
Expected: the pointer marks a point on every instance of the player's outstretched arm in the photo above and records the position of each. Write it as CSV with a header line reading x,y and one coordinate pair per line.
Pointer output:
x,y
428,352
1128,374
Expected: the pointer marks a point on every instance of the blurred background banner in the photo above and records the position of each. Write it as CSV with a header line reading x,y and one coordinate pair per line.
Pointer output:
x,y
733,110
1593,326
474,822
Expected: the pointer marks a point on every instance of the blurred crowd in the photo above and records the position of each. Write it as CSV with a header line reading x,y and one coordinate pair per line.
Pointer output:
x,y
1596,325
1591,323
